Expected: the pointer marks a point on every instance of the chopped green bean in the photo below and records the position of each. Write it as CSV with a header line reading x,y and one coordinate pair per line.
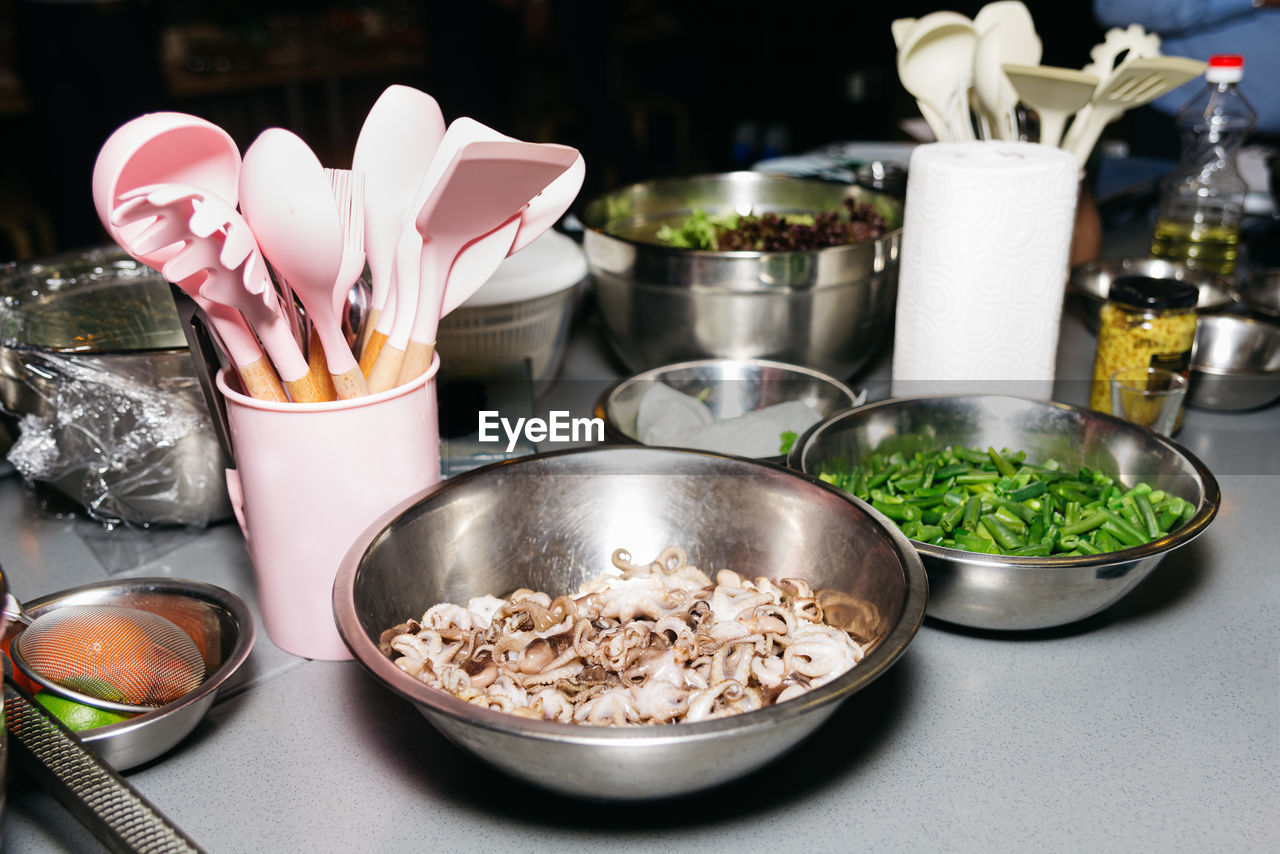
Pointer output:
x,y
996,502
1001,532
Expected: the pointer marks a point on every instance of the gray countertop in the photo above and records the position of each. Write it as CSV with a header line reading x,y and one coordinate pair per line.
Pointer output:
x,y
1154,726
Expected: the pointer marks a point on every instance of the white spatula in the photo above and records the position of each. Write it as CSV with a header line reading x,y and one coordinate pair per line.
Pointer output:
x,y
1054,93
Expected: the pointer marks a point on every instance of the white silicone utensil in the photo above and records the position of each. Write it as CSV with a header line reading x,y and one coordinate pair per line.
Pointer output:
x,y
1134,83
1054,93
1118,45
1006,34
901,29
394,149
935,64
1105,58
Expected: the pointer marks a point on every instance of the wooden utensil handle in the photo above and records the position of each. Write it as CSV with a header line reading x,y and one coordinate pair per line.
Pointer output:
x,y
260,381
372,349
417,358
386,370
317,368
350,385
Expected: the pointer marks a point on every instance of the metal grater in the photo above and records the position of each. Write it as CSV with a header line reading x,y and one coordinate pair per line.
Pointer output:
x,y
91,790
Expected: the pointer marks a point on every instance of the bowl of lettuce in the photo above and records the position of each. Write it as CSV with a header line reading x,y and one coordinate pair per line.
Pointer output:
x,y
745,265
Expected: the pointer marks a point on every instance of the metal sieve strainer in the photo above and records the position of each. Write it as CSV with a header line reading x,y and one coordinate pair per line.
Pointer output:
x,y
110,656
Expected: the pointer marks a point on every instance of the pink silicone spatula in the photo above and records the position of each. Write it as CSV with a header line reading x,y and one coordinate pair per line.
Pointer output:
x,y
386,369
483,185
486,185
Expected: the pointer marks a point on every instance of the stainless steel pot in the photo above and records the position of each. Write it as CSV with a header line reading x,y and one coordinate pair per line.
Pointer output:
x,y
828,309
94,363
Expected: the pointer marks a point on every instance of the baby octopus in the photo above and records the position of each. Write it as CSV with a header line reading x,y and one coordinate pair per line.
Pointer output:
x,y
639,644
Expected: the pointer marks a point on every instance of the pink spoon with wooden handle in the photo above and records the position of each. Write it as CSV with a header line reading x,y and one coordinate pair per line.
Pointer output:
x,y
162,147
288,201
394,150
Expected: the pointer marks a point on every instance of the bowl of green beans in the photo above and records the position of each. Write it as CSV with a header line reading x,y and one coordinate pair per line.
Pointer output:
x,y
1027,514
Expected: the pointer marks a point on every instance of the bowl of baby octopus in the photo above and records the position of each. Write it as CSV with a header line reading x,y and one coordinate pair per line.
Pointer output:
x,y
624,623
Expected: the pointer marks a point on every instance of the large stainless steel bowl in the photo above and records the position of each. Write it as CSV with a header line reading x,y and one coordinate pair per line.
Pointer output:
x,y
1260,293
1235,364
217,620
548,522
828,309
1013,593
94,361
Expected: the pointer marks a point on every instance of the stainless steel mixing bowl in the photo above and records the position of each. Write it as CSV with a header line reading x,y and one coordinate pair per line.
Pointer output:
x,y
217,620
548,522
728,387
1091,282
1011,593
828,309
1235,364
1260,293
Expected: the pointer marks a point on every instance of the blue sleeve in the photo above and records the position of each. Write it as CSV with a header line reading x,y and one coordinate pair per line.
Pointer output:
x,y
1169,16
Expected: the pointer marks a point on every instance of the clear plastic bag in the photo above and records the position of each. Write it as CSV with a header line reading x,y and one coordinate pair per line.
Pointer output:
x,y
120,427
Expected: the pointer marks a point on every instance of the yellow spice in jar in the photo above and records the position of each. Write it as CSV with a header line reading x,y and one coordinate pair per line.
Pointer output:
x,y
1134,332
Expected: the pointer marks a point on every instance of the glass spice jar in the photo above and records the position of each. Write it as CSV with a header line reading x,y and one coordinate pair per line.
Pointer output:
x,y
1145,322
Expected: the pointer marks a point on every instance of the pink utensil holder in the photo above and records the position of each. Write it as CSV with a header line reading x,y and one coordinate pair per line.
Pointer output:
x,y
309,479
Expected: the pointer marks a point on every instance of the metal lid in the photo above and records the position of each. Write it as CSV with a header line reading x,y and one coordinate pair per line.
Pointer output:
x,y
1147,292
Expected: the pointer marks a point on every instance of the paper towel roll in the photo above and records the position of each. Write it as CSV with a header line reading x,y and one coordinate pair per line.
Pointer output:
x,y
985,249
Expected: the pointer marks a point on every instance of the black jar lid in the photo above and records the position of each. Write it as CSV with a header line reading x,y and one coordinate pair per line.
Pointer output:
x,y
1148,292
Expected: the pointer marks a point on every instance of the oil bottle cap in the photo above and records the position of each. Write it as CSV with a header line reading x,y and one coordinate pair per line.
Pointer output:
x,y
1148,292
1225,68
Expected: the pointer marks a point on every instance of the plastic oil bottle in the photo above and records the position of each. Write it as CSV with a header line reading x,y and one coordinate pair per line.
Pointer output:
x,y
1202,199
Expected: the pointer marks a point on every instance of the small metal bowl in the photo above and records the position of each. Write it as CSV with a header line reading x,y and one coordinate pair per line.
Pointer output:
x,y
730,387
1260,293
1016,593
1235,364
563,515
218,621
1091,282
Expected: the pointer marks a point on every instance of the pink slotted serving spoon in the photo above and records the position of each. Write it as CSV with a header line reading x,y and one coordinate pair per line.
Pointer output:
x,y
176,147
218,250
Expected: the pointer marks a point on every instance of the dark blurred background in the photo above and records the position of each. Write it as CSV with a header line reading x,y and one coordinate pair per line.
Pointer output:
x,y
643,87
